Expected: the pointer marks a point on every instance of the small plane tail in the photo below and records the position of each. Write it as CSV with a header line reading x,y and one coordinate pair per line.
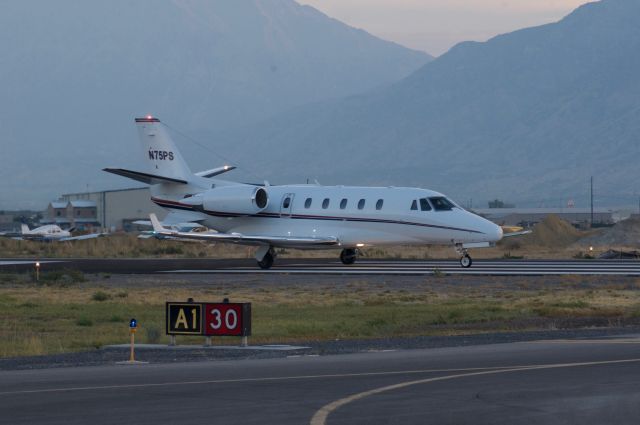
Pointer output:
x,y
24,228
160,152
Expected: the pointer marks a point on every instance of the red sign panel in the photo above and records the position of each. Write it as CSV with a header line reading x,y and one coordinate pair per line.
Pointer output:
x,y
227,319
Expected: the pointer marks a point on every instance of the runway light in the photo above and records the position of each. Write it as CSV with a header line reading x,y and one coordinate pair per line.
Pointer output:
x,y
591,248
359,245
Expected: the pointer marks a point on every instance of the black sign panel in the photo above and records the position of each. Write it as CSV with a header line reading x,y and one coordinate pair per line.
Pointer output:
x,y
184,318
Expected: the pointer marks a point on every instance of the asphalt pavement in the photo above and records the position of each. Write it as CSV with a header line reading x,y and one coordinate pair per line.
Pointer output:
x,y
332,267
585,381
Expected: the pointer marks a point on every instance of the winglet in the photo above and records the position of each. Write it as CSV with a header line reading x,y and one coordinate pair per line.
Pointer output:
x,y
157,227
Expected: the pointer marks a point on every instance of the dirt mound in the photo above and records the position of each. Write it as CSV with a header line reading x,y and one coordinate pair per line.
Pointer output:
x,y
553,232
624,233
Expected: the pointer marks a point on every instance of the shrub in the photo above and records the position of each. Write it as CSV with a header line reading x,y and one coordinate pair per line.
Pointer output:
x,y
100,296
63,276
84,321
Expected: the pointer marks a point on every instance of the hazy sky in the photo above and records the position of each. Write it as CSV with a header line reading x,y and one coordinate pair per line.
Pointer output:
x,y
436,25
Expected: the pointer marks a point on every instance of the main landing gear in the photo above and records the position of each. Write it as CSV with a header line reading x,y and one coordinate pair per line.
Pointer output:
x,y
348,256
465,259
265,255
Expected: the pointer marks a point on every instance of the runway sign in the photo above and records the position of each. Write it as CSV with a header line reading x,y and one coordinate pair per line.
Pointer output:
x,y
184,318
227,319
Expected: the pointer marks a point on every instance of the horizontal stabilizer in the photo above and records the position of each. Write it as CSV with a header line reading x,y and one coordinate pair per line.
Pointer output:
x,y
143,177
215,171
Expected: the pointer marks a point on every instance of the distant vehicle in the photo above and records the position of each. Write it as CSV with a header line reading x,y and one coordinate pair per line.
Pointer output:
x,y
48,233
300,216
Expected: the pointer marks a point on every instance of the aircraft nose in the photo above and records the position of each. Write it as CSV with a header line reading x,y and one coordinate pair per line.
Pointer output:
x,y
497,232
492,231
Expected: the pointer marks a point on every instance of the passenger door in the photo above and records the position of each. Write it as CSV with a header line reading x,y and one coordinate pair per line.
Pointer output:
x,y
286,206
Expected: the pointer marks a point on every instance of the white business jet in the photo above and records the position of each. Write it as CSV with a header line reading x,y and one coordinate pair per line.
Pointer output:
x,y
300,216
49,233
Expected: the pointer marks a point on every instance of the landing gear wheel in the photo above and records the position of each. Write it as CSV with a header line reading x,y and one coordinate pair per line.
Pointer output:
x,y
267,260
348,256
466,261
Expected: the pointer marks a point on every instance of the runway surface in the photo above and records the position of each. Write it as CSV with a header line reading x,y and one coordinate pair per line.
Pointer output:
x,y
546,382
333,267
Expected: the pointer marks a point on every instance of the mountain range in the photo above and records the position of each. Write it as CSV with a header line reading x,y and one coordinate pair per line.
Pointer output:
x,y
74,74
291,95
526,117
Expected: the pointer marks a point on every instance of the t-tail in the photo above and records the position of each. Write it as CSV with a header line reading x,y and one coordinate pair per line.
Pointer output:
x,y
166,171
161,154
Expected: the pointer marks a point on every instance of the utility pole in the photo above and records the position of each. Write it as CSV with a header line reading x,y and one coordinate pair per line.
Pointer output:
x,y
591,201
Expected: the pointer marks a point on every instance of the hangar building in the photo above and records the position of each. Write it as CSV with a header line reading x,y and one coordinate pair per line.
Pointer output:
x,y
116,210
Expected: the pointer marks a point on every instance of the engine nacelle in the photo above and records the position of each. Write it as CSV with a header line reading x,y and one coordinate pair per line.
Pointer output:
x,y
235,199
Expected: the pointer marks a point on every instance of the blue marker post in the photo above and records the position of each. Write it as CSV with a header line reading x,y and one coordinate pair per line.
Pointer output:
x,y
133,325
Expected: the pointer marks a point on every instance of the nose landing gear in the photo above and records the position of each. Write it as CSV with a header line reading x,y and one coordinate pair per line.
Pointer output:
x,y
465,259
348,256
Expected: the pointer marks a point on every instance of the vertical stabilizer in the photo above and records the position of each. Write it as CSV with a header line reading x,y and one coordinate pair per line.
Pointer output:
x,y
160,152
24,228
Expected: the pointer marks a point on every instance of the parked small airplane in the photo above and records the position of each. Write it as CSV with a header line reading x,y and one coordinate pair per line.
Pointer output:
x,y
301,216
48,233
172,225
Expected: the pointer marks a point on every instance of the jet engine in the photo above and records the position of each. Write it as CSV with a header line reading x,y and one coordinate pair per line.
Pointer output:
x,y
239,199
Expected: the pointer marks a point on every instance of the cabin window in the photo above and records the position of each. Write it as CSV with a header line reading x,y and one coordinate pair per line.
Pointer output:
x,y
307,203
325,203
424,205
361,204
343,203
286,202
440,203
379,204
414,205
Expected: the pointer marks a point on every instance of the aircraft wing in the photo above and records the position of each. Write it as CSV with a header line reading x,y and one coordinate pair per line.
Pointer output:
x,y
243,239
82,237
509,231
519,233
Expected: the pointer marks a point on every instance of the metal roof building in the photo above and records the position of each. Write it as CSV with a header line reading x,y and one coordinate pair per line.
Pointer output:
x,y
117,209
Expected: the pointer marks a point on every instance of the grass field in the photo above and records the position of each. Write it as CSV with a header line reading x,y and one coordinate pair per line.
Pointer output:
x,y
129,246
72,312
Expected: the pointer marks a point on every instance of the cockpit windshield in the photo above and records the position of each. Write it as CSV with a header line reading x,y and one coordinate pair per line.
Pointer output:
x,y
440,203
